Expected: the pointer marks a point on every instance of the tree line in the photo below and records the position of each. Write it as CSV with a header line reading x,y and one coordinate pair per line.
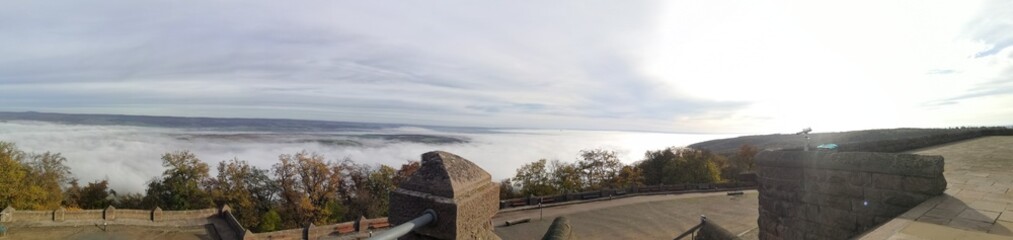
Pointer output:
x,y
299,189
597,169
304,187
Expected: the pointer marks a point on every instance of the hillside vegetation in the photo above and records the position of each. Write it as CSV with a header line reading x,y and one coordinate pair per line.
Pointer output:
x,y
300,189
878,140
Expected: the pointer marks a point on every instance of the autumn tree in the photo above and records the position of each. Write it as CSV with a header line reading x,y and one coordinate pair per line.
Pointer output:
x,y
246,189
629,176
95,195
72,194
132,201
308,186
507,190
12,176
366,190
744,157
680,165
406,171
598,167
31,181
566,177
535,179
181,185
47,173
659,167
379,185
271,221
361,198
703,166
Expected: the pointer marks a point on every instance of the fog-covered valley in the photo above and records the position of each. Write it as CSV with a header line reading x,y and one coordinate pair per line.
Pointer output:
x,y
129,156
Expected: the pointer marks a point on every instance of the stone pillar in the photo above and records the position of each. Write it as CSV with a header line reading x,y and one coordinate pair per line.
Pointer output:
x,y
7,215
109,214
461,193
156,214
224,208
58,215
307,230
361,226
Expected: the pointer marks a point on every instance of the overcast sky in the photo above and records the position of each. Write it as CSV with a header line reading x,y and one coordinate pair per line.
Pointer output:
x,y
676,66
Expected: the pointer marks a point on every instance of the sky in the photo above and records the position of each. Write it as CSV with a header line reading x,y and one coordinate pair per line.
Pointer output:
x,y
658,66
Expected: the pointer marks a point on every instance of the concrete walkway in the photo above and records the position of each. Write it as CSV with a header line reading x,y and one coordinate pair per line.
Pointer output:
x,y
978,203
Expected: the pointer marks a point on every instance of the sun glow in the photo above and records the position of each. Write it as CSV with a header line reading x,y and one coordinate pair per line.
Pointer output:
x,y
843,66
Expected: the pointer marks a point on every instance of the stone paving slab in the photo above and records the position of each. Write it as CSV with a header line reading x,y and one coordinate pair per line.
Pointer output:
x,y
978,202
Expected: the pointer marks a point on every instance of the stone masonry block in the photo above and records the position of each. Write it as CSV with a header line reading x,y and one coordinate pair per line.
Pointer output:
x,y
830,201
461,193
156,215
812,212
841,219
7,215
930,186
887,181
837,161
788,159
109,213
783,173
843,190
836,177
60,214
858,179
815,175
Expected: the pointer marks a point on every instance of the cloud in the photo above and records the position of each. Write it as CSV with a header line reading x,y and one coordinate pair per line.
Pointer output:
x,y
490,61
987,77
643,65
130,156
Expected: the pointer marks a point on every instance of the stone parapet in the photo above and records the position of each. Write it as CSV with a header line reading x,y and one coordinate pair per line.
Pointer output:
x,y
823,195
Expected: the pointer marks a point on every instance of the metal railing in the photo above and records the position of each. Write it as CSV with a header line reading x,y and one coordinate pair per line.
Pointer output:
x,y
692,231
427,217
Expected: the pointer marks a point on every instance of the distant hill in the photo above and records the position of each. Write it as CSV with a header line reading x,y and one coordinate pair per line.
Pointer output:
x,y
879,140
225,124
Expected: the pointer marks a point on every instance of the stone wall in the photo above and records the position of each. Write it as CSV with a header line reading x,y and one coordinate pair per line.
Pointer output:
x,y
296,233
133,214
10,214
824,195
188,214
72,215
346,230
32,216
226,213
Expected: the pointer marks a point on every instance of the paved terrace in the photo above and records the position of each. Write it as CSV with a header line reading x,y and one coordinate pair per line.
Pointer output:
x,y
641,217
978,202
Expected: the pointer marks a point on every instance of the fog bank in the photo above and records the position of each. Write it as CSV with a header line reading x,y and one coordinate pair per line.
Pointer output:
x,y
130,156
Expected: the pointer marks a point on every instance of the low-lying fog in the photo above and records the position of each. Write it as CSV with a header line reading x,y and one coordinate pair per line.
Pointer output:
x,y
130,156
